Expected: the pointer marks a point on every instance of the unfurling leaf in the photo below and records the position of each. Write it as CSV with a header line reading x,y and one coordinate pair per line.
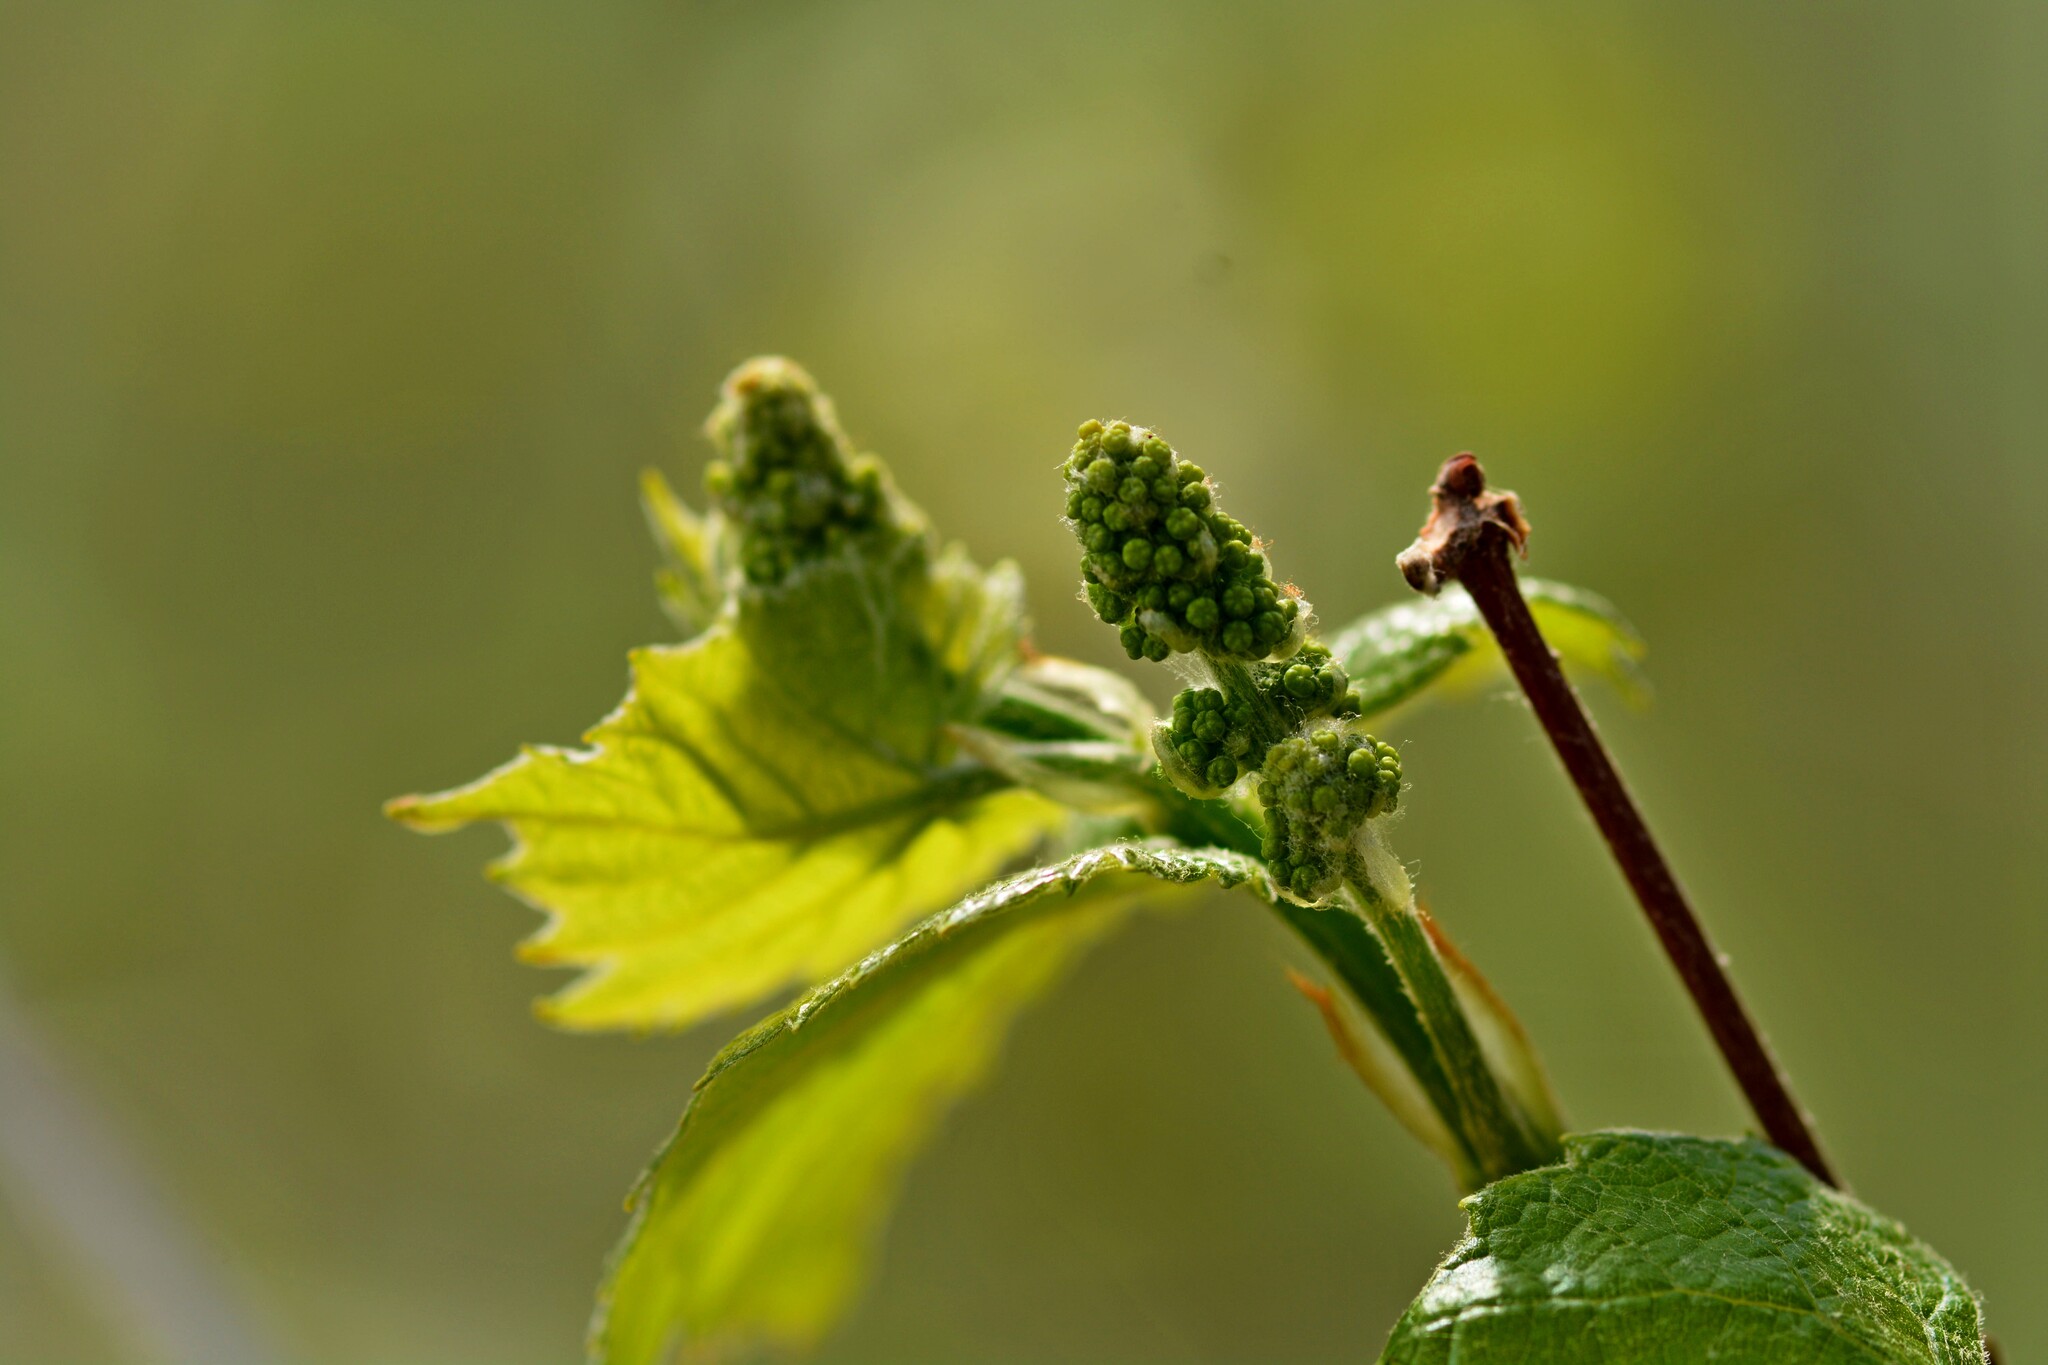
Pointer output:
x,y
773,799
1664,1250
687,581
753,1224
1396,652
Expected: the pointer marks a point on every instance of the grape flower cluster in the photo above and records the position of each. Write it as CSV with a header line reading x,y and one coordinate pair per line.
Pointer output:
x,y
1162,562
788,482
1318,789
1215,740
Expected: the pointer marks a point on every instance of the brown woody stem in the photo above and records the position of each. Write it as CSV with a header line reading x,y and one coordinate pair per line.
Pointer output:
x,y
1468,537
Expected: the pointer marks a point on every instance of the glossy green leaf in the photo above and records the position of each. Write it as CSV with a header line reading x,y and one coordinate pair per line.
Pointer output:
x,y
1663,1250
753,1224
1396,652
772,799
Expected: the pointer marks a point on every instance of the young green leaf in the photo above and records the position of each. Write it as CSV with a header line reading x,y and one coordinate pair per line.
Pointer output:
x,y
1396,652
772,799
1666,1250
687,581
754,1222
1050,698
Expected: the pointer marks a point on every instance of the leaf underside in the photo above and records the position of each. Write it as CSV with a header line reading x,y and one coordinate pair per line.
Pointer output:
x,y
1656,1249
753,1224
1396,652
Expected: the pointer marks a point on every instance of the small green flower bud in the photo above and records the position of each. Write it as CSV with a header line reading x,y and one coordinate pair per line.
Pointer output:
x,y
787,481
1157,649
1110,606
1133,640
1300,682
1319,789
1222,771
1169,533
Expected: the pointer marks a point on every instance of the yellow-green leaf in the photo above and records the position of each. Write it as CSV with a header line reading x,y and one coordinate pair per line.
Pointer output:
x,y
771,800
754,1224
688,580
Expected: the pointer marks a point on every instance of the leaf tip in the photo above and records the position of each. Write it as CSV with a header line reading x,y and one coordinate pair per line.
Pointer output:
x,y
548,1009
419,812
536,951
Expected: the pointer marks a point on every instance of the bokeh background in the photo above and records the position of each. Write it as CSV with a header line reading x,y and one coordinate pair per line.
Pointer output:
x,y
332,338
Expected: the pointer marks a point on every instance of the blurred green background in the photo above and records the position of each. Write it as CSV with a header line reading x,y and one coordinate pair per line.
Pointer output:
x,y
332,337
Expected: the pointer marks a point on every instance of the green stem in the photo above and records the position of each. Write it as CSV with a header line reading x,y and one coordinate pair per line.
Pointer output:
x,y
1360,959
1503,1140
1388,965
